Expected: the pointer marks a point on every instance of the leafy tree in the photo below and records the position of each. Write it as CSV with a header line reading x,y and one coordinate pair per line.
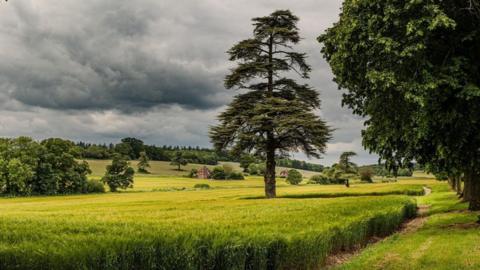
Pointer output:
x,y
143,163
125,149
218,173
178,160
70,176
136,145
411,69
345,163
276,114
294,177
253,169
245,161
17,177
366,175
119,174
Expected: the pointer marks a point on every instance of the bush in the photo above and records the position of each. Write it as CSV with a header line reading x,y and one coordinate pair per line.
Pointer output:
x,y
405,172
193,173
253,169
218,173
324,180
95,186
235,176
294,177
319,179
202,186
366,175
227,168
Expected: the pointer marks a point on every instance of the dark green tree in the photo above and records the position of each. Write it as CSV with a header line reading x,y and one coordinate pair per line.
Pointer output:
x,y
143,163
345,164
178,160
245,161
275,114
136,145
294,177
119,174
411,68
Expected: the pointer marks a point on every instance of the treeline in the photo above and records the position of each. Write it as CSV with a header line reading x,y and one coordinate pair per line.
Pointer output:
x,y
300,164
47,167
132,147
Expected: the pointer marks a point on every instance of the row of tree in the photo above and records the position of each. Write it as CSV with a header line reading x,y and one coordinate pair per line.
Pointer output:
x,y
179,155
414,75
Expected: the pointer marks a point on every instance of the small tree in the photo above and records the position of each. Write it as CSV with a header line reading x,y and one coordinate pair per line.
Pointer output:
x,y
366,175
119,174
178,160
294,177
143,163
245,161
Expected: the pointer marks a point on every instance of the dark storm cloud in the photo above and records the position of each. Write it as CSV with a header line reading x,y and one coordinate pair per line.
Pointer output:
x,y
102,70
111,59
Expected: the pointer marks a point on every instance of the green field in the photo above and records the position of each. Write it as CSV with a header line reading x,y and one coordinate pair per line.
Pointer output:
x,y
165,223
449,239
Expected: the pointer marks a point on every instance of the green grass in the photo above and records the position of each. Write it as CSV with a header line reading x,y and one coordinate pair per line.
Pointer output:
x,y
450,239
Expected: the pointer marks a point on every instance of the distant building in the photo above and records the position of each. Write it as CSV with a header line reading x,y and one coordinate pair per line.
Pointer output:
x,y
203,173
284,174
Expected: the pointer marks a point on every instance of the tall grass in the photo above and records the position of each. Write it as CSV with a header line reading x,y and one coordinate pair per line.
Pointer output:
x,y
188,230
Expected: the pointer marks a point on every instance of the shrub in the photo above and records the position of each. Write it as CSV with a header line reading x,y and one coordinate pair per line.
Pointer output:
x,y
218,173
227,168
366,175
405,172
202,186
193,173
253,169
324,180
319,179
235,176
294,177
95,186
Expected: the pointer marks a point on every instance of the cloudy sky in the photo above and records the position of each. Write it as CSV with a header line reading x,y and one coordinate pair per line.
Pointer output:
x,y
101,70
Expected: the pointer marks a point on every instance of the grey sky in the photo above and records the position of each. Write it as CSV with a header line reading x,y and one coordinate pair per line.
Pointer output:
x,y
101,70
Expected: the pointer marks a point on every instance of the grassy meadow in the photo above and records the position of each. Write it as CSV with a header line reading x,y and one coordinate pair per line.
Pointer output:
x,y
165,223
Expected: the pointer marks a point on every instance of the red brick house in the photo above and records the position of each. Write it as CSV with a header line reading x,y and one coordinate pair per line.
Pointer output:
x,y
203,173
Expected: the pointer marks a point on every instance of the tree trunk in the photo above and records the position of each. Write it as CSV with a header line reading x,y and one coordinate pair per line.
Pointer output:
x,y
471,191
474,204
270,188
458,185
270,183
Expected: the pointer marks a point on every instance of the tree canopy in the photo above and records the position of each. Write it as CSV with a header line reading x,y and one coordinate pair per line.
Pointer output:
x,y
274,114
411,69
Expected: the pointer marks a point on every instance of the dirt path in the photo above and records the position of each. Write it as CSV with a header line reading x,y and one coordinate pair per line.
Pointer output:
x,y
409,226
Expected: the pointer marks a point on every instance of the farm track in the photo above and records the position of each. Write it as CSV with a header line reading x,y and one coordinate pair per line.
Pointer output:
x,y
409,226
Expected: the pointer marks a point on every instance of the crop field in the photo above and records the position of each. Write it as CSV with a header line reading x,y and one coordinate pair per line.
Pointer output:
x,y
165,223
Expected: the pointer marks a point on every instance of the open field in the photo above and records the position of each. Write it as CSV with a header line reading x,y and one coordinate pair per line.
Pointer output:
x,y
220,228
163,168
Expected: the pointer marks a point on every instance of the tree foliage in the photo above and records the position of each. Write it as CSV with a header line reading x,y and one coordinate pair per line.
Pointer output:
x,y
275,114
178,160
119,174
411,69
143,163
49,167
294,177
